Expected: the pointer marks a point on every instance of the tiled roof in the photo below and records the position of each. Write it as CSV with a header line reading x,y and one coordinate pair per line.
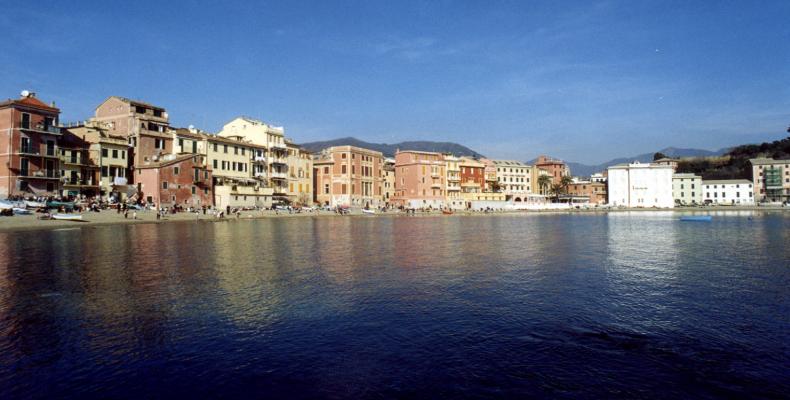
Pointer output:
x,y
30,102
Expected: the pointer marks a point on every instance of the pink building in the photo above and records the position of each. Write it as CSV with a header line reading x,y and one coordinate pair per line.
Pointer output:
x,y
176,180
349,176
419,179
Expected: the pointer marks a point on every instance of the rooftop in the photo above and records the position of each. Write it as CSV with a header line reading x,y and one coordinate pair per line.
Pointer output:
x,y
728,182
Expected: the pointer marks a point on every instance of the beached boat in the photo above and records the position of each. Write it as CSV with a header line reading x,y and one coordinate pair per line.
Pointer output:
x,y
22,211
368,211
447,212
34,204
67,217
697,218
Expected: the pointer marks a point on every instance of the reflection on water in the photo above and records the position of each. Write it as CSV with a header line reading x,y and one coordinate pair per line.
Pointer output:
x,y
588,305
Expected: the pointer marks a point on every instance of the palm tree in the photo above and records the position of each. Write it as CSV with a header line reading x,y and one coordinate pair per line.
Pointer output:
x,y
556,190
565,181
544,181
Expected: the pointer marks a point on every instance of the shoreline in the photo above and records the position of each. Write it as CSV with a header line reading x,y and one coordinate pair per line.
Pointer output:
x,y
20,223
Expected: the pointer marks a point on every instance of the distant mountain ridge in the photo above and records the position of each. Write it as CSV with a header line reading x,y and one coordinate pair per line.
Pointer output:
x,y
578,169
389,149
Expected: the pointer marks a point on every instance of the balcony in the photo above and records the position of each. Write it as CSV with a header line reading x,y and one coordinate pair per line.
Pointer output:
x,y
50,130
278,160
260,175
436,185
259,159
278,175
40,174
278,146
31,150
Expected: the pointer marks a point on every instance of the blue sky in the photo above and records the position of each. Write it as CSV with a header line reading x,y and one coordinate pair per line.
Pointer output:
x,y
584,81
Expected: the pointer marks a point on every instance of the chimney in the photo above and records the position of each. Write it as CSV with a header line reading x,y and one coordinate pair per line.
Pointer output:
x,y
52,104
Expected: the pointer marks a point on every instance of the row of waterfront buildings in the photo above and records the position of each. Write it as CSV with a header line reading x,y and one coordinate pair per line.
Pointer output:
x,y
128,151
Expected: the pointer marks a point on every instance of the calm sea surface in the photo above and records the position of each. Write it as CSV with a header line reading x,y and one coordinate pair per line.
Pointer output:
x,y
629,305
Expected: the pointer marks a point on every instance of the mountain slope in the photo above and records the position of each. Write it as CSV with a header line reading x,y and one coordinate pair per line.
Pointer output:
x,y
578,169
390,149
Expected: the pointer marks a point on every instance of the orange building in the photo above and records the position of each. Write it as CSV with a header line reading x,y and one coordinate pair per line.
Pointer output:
x,y
594,191
348,176
556,168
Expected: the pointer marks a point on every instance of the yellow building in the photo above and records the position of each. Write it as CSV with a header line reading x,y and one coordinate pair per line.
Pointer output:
x,y
453,169
109,152
300,168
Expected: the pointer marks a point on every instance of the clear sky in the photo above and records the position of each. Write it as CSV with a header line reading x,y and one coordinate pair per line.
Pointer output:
x,y
585,81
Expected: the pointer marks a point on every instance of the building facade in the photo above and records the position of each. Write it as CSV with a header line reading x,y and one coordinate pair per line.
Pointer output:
x,y
453,182
300,170
29,159
79,174
640,185
146,127
687,189
349,176
728,192
556,168
389,180
588,192
110,153
175,180
419,179
514,179
771,180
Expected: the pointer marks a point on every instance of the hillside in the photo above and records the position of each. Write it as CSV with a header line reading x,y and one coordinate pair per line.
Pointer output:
x,y
389,149
578,169
735,163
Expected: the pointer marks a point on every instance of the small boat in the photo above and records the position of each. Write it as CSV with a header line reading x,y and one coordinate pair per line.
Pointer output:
x,y
698,218
67,217
22,211
34,204
368,211
447,212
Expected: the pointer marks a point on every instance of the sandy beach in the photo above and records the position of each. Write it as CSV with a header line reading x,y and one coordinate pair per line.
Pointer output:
x,y
108,217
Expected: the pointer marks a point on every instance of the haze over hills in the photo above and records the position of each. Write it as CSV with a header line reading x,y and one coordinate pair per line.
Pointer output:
x,y
389,149
578,169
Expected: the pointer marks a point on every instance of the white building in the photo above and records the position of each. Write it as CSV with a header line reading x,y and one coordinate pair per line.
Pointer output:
x,y
640,185
513,178
598,177
687,189
728,192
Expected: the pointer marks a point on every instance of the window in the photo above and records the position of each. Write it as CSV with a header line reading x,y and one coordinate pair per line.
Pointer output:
x,y
114,153
225,148
104,152
197,177
326,170
326,188
215,164
194,191
181,144
25,120
342,169
343,156
235,149
164,185
215,147
343,188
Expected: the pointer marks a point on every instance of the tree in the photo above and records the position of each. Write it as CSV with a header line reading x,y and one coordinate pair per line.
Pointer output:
x,y
659,156
544,181
496,187
556,190
565,181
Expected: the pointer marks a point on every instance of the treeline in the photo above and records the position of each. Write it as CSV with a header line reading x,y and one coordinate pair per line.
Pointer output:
x,y
735,163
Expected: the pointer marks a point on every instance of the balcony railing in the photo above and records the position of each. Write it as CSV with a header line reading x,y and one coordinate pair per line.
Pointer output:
x,y
53,130
278,175
259,159
40,174
278,160
37,151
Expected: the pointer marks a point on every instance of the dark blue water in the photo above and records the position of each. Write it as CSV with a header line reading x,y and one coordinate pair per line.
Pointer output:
x,y
618,306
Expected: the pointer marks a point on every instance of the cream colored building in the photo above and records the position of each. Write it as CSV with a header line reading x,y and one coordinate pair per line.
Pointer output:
x,y
514,179
270,139
687,189
771,179
110,153
349,176
453,170
388,185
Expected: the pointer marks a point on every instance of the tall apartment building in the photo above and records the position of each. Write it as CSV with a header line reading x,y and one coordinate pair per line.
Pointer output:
x,y
349,176
145,125
110,153
79,173
514,179
420,179
272,150
388,186
29,159
300,170
641,185
771,179
453,168
556,168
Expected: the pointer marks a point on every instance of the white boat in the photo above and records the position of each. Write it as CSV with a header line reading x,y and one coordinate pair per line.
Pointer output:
x,y
67,217
34,204
368,211
22,211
